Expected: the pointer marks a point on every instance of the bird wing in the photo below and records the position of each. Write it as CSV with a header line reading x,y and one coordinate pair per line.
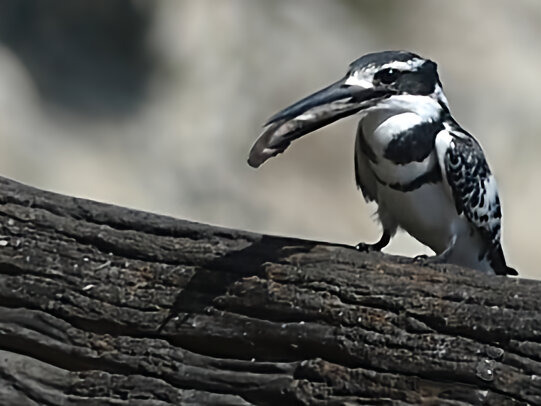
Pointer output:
x,y
364,177
474,190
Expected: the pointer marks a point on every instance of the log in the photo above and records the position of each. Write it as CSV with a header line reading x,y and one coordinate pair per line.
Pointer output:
x,y
105,305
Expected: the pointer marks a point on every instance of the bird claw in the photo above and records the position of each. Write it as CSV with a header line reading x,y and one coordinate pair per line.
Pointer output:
x,y
420,258
426,259
364,247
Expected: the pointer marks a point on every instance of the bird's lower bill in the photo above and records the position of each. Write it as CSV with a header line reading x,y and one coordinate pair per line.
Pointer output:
x,y
318,110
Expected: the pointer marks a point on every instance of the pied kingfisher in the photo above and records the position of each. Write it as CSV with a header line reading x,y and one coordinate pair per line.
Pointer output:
x,y
427,175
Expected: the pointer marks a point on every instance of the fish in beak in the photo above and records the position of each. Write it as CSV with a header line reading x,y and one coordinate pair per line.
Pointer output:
x,y
339,100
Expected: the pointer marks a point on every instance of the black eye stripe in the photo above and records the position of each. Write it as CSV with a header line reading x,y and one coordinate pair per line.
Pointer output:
x,y
387,76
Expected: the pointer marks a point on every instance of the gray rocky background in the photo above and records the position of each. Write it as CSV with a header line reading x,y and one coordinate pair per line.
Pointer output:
x,y
154,105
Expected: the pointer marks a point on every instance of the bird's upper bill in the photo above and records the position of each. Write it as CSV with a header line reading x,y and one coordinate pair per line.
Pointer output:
x,y
370,79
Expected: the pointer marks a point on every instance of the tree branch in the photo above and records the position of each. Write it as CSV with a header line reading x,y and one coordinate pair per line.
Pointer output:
x,y
105,305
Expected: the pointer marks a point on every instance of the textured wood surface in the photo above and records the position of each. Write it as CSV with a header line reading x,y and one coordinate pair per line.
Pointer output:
x,y
105,305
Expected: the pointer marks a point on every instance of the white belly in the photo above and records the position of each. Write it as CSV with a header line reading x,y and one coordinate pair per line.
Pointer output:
x,y
427,213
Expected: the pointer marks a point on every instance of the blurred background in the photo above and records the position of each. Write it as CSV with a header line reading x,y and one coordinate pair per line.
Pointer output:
x,y
154,105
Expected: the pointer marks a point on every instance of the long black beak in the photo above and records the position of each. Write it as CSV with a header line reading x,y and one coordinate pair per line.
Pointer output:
x,y
322,108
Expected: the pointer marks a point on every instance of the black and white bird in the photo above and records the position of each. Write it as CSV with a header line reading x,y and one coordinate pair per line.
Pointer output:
x,y
427,175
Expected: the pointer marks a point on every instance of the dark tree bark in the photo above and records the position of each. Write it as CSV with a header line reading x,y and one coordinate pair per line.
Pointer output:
x,y
105,305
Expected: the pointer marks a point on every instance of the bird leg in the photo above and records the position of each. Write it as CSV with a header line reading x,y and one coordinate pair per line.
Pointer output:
x,y
378,246
440,258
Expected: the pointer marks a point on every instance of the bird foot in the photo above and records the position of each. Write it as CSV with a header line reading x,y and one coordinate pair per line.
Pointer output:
x,y
377,246
364,247
425,259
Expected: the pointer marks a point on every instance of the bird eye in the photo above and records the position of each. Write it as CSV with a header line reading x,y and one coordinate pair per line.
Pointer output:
x,y
387,76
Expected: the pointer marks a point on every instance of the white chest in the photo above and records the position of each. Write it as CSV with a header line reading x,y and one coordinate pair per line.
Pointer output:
x,y
382,128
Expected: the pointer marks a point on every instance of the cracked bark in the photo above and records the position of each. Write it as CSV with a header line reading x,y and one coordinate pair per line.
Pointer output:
x,y
105,305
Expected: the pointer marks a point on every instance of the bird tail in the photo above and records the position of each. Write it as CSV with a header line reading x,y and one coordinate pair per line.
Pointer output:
x,y
497,261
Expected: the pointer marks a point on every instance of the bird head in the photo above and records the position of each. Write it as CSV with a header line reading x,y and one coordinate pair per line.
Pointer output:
x,y
373,82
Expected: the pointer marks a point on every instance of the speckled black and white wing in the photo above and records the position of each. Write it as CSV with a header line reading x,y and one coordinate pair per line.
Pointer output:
x,y
474,191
